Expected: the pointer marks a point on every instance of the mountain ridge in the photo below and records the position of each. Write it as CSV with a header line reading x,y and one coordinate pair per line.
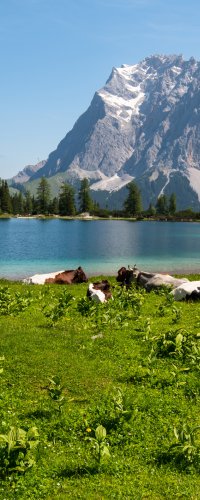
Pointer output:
x,y
142,125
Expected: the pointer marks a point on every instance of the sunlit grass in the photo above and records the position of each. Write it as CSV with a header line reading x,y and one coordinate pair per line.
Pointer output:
x,y
123,380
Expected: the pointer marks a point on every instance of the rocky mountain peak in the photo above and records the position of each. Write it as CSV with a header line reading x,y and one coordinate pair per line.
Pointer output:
x,y
143,125
27,172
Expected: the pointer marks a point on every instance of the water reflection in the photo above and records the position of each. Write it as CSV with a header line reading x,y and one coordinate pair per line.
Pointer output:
x,y
26,243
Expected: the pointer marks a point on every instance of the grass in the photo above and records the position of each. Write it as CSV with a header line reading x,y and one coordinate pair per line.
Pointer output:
x,y
70,366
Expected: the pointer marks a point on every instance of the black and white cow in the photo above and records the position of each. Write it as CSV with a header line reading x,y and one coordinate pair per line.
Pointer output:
x,y
148,280
187,291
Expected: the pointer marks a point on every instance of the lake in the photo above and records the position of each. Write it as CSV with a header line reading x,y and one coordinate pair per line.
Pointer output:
x,y
30,246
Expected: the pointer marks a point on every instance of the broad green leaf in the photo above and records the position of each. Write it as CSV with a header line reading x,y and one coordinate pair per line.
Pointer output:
x,y
3,438
32,433
179,340
11,439
105,452
21,436
176,433
100,433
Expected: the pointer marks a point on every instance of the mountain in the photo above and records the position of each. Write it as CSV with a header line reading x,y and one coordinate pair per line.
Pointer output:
x,y
27,172
144,124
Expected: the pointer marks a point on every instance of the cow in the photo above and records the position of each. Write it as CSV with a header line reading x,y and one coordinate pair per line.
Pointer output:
x,y
125,276
99,291
148,280
67,277
187,291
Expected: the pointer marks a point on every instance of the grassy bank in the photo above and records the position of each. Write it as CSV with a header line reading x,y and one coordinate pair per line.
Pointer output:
x,y
106,396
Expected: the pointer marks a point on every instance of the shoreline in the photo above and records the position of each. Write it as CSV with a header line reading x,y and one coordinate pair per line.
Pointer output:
x,y
83,217
17,279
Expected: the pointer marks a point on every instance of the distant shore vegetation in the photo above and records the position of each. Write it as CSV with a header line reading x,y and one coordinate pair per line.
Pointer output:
x,y
72,203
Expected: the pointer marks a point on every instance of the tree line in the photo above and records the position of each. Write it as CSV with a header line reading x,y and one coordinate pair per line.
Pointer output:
x,y
69,202
164,208
133,204
42,203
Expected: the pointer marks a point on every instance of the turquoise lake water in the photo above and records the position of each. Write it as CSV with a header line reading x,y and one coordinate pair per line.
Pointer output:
x,y
30,246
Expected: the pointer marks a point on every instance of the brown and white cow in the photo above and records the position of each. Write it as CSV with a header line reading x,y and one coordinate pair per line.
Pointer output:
x,y
67,277
99,291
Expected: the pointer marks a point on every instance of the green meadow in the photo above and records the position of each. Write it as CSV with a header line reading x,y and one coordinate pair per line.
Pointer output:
x,y
98,401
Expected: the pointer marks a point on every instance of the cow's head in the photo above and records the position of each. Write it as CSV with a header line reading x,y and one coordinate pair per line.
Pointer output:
x,y
128,276
135,271
121,274
79,276
101,285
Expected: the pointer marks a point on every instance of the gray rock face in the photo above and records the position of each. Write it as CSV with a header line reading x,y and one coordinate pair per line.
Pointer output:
x,y
25,174
144,124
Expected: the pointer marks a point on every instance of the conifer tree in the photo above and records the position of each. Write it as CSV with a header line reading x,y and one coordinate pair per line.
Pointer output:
x,y
34,205
6,203
162,207
172,204
85,200
66,200
17,203
43,196
54,206
28,204
151,211
133,202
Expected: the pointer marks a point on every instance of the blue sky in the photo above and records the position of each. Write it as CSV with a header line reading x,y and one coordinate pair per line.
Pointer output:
x,y
55,54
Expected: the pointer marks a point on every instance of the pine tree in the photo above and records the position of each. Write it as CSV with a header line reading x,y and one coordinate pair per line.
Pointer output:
x,y
43,196
172,204
54,206
6,203
28,204
20,203
162,207
34,205
85,200
133,202
151,211
17,203
66,200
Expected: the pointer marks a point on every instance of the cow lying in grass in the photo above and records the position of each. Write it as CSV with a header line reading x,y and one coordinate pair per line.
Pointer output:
x,y
148,280
187,291
99,291
60,278
69,277
125,276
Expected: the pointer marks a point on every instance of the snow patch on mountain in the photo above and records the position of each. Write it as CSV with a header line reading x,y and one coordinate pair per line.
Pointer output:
x,y
123,108
122,94
193,175
176,69
113,183
154,176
